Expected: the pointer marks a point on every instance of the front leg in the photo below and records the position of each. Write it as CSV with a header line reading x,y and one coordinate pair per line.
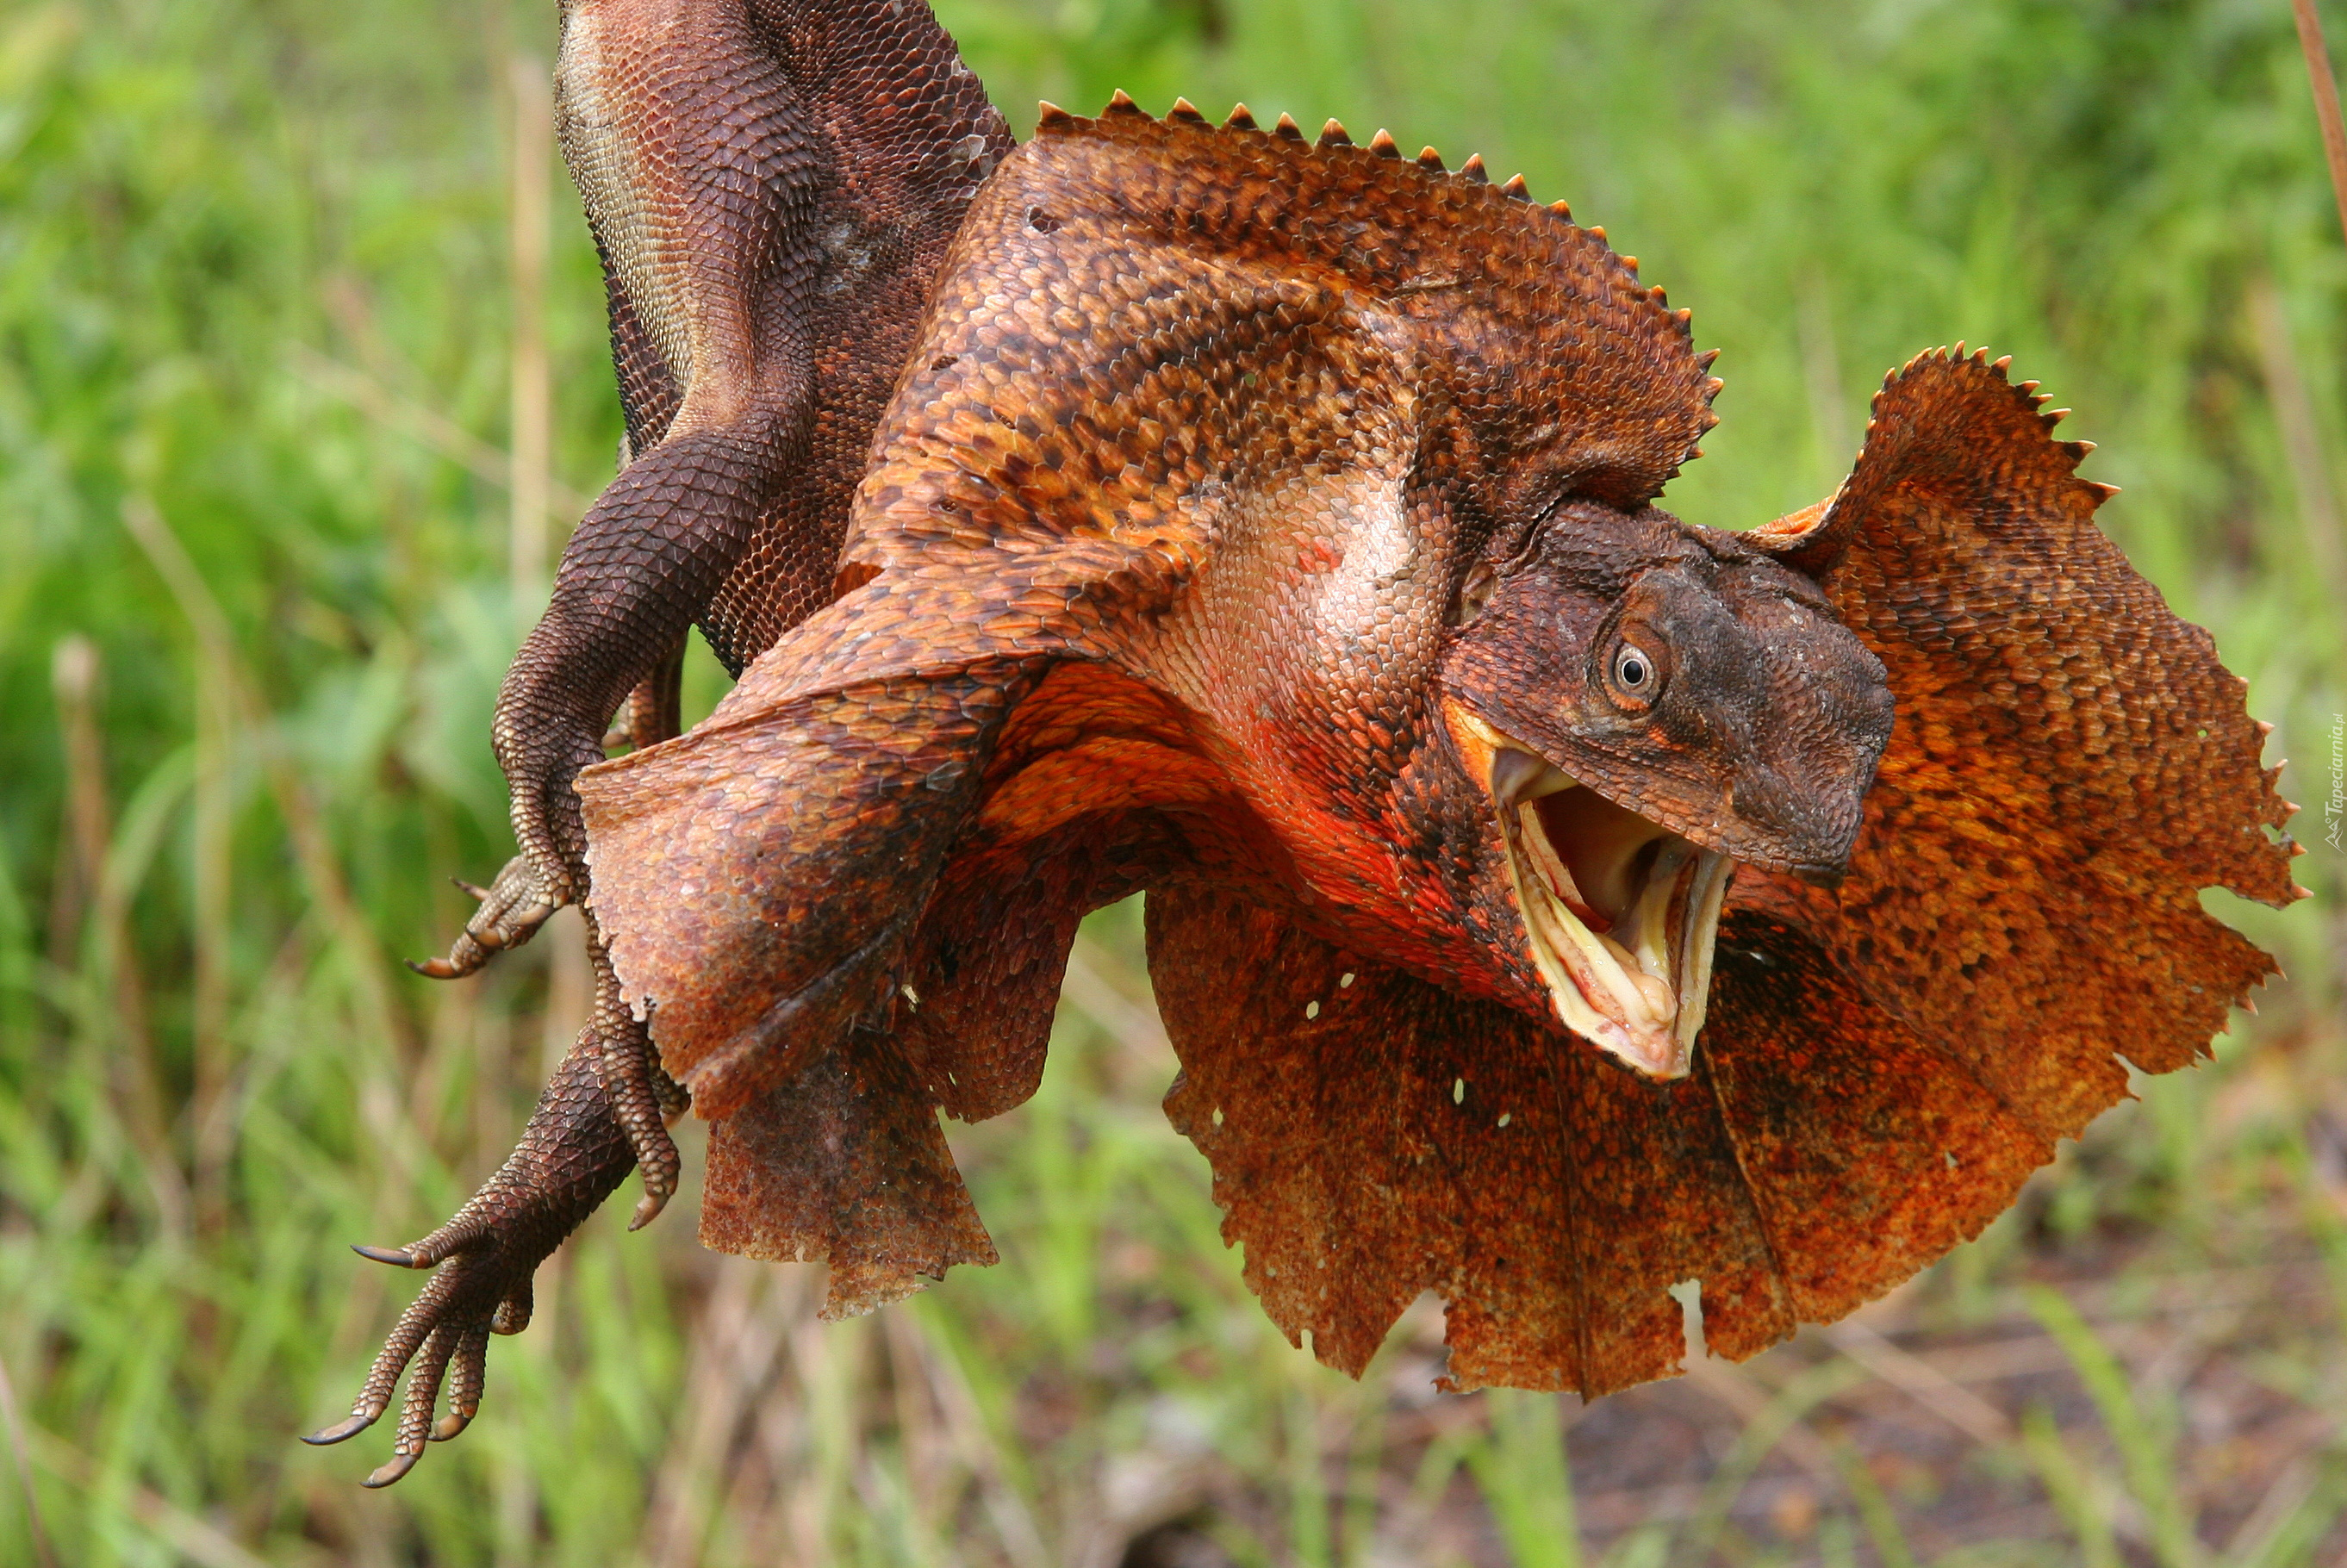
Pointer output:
x,y
639,569
689,146
771,185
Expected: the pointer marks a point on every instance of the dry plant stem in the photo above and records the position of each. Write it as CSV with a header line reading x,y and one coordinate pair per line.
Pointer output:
x,y
532,409
369,395
136,1084
733,1364
2302,434
2281,1500
16,1445
1926,1384
2326,101
81,850
214,654
1737,1390
314,851
1014,1525
213,827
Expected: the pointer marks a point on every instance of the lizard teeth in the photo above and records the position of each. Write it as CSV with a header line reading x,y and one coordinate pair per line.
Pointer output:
x,y
1627,956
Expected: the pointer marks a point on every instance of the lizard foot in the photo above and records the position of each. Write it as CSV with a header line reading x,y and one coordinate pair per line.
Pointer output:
x,y
571,1156
512,909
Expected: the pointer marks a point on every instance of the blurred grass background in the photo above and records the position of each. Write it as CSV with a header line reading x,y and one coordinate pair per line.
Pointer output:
x,y
302,376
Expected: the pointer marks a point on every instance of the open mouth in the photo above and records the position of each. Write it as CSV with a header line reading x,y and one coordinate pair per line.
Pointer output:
x,y
1621,913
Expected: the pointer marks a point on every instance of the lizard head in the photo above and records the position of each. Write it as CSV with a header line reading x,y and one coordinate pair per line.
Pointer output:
x,y
1644,705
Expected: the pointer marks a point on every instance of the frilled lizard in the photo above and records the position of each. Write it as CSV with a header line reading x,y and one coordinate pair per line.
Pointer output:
x,y
1550,901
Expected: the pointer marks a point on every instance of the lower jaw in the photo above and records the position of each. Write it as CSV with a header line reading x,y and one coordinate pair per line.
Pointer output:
x,y
1638,992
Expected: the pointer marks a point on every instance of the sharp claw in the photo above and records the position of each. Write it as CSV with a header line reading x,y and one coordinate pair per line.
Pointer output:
x,y
390,1469
449,1425
480,893
436,968
397,1256
647,1209
342,1429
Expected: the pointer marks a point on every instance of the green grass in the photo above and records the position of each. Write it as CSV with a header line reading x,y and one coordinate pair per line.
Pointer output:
x,y
255,360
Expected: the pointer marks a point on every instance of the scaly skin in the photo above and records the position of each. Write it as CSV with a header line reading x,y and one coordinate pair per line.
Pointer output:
x,y
770,208
572,1155
770,216
1246,509
772,185
1279,473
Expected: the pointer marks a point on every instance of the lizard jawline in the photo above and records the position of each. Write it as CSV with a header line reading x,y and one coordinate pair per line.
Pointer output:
x,y
1620,913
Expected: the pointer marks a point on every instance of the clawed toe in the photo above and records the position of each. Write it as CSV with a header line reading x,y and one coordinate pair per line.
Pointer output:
x,y
342,1429
441,1327
467,1374
390,1469
641,1093
570,1157
513,1314
397,1256
512,909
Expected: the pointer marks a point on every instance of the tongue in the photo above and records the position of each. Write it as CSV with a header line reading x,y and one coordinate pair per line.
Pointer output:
x,y
1606,848
1656,993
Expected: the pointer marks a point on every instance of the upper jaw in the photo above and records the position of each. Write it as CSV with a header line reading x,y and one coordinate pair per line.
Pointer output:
x,y
1619,915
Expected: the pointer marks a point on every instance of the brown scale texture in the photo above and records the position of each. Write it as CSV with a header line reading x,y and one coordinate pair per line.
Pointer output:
x,y
1376,1137
1300,444
830,232
1145,326
1139,384
2071,763
771,864
771,185
1141,379
1164,574
1069,823
912,138
843,1161
1340,1156
981,982
572,1155
1182,482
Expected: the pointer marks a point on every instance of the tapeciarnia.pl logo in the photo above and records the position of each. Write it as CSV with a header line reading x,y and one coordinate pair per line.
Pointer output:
x,y
2334,810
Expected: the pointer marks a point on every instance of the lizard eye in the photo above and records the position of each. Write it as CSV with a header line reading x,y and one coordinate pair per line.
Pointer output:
x,y
1635,675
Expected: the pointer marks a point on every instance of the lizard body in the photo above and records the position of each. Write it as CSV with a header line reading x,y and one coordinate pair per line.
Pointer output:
x,y
1550,901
